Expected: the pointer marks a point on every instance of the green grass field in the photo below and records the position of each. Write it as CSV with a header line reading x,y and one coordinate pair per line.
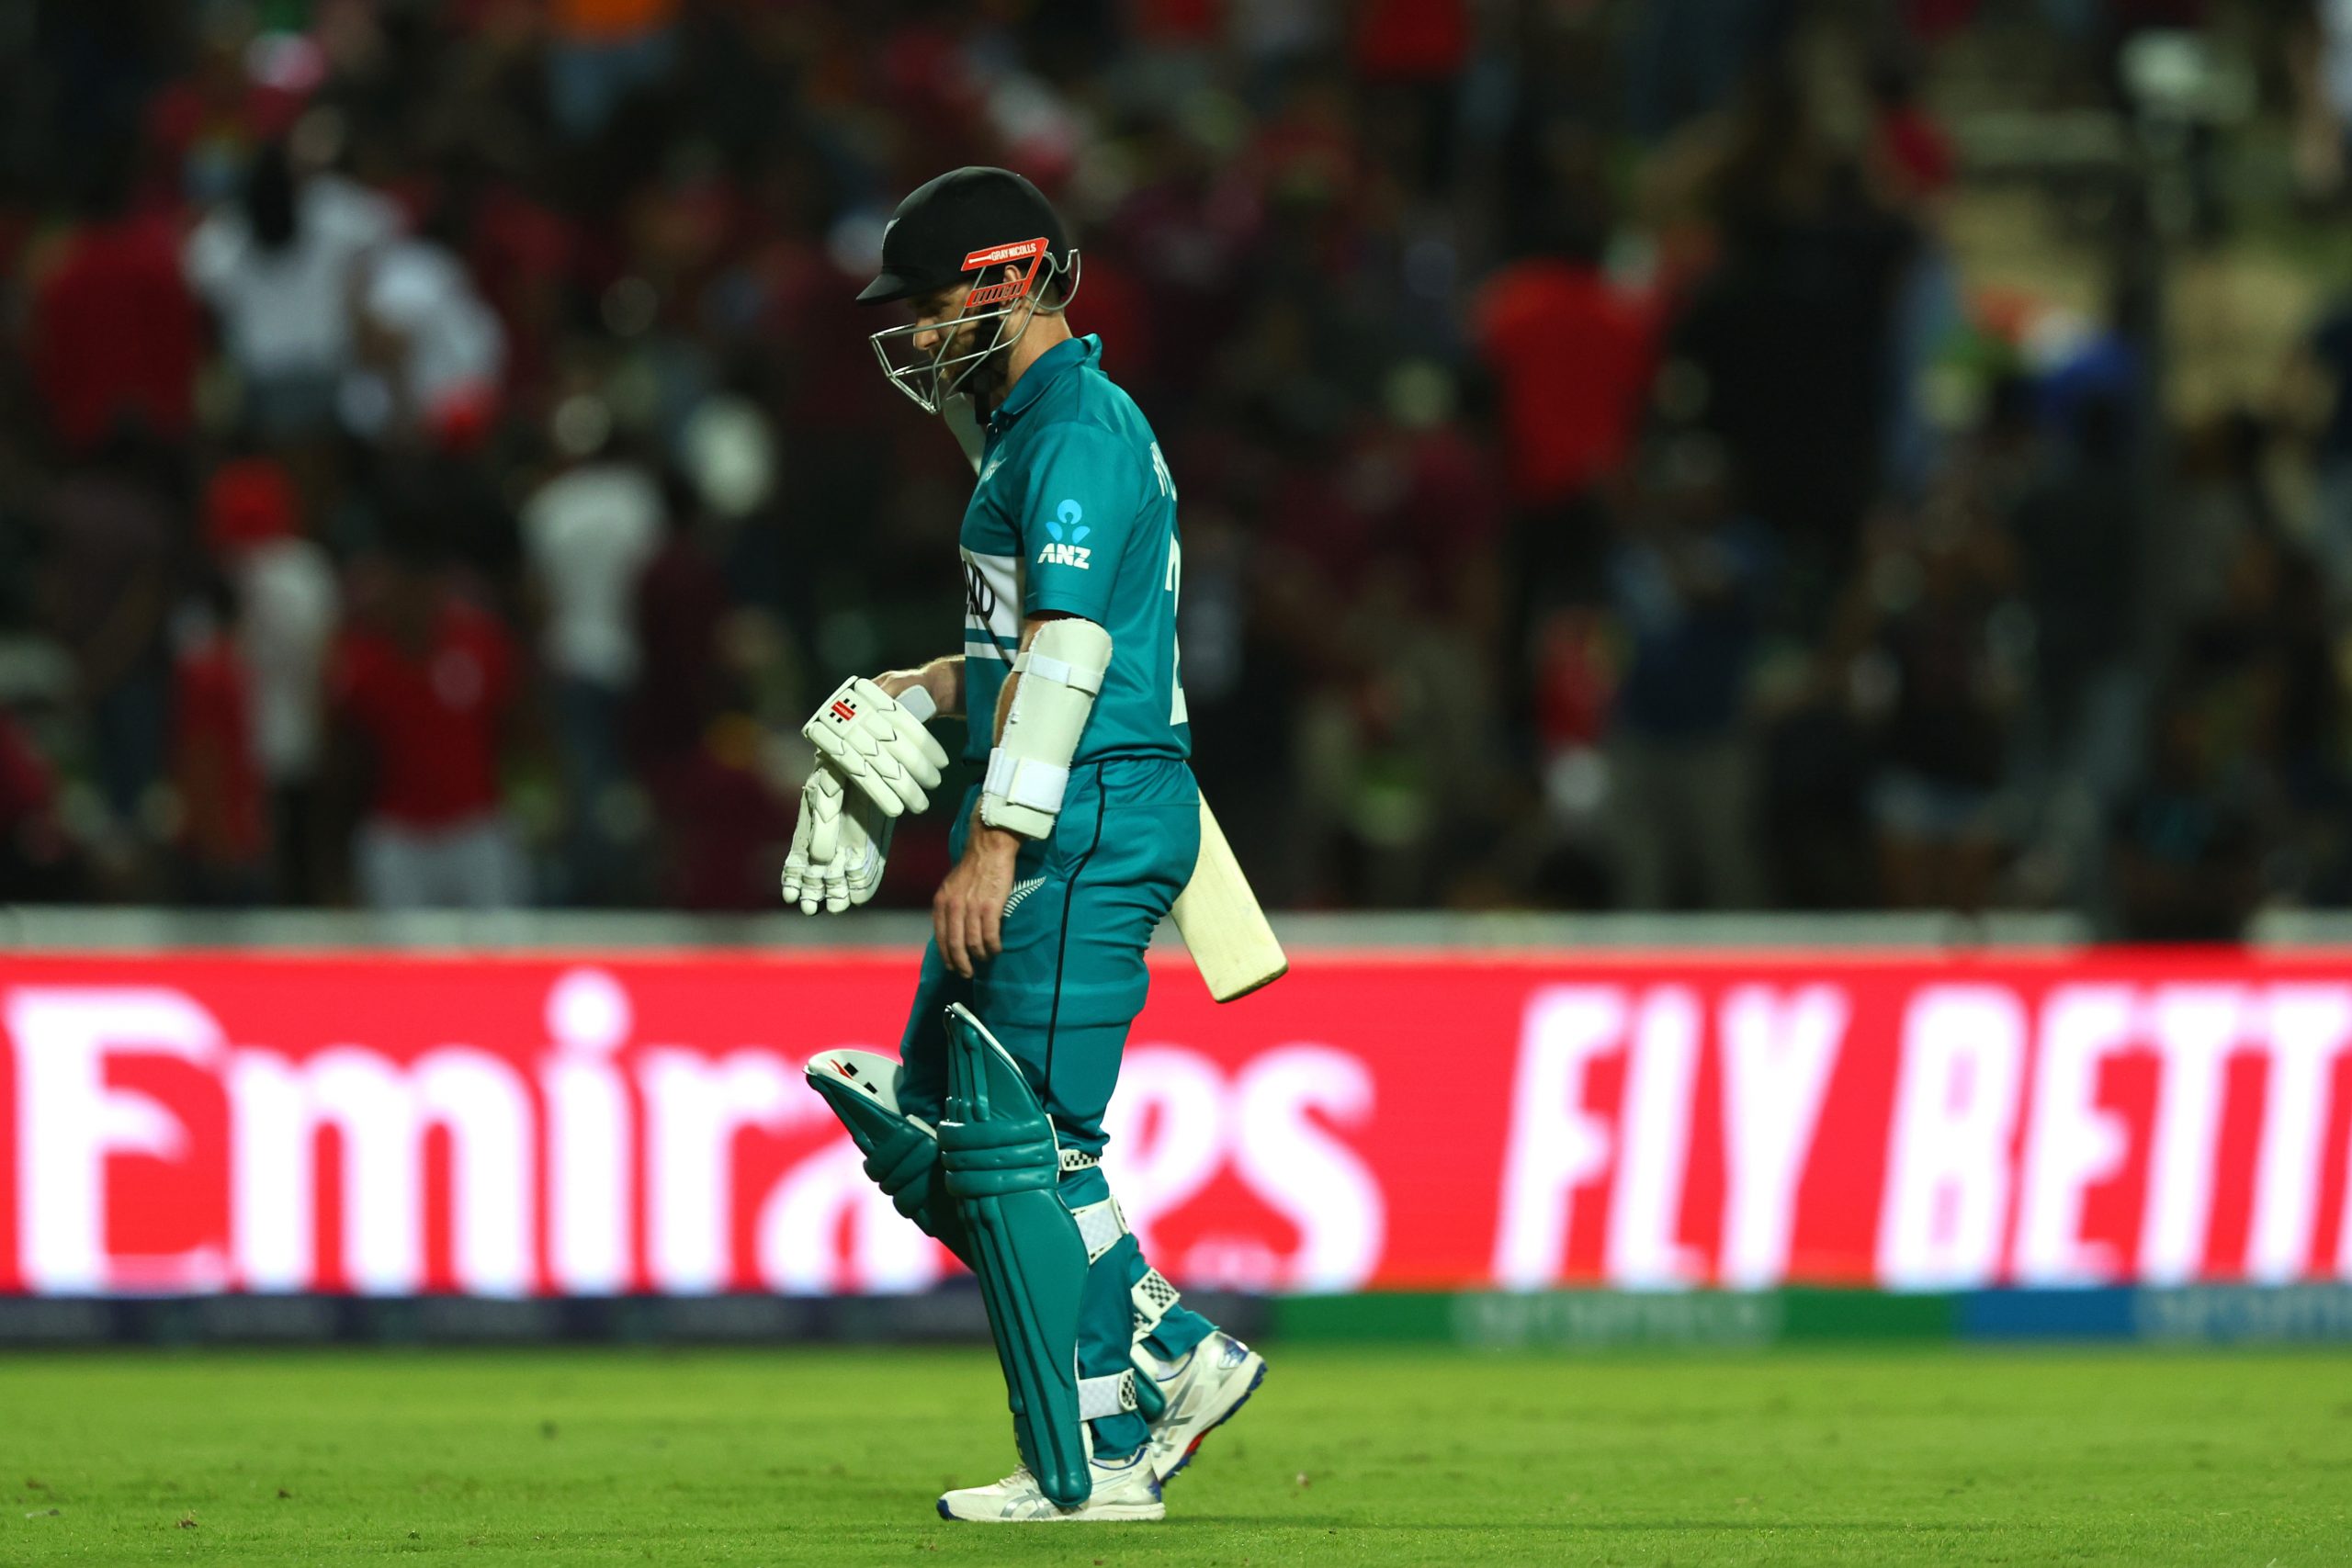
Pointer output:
x,y
826,1457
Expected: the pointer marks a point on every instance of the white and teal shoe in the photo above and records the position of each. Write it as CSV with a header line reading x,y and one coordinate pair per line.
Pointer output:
x,y
1124,1492
1203,1390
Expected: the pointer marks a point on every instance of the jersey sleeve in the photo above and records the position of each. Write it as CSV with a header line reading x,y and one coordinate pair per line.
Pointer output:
x,y
1081,505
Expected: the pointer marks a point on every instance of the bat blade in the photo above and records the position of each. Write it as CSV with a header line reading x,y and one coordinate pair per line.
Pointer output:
x,y
1232,945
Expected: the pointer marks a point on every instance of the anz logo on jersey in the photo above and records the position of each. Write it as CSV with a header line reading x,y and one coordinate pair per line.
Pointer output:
x,y
1071,551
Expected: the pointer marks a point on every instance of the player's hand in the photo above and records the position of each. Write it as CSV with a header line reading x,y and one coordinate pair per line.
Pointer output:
x,y
968,913
878,744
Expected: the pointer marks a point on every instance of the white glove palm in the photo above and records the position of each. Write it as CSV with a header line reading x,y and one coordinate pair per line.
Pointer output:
x,y
879,745
839,847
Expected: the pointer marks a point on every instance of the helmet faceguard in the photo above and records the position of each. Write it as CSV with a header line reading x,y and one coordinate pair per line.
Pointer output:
x,y
931,376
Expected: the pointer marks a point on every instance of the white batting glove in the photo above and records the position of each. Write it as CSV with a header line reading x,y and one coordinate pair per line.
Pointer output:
x,y
802,885
879,744
839,848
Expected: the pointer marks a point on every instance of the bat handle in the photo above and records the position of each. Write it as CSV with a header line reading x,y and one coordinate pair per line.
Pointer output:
x,y
964,422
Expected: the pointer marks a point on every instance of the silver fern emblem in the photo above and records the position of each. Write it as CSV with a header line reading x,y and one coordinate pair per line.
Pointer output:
x,y
1021,890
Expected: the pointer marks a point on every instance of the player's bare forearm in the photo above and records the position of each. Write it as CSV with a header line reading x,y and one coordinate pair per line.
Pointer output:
x,y
943,678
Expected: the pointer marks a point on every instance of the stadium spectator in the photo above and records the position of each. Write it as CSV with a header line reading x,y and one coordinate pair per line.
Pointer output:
x,y
724,826
114,527
281,269
2186,841
287,604
113,333
2327,365
2078,523
1816,766
680,615
424,687
223,806
1571,355
37,858
602,50
1688,57
2078,532
1410,55
588,533
1789,337
1930,596
432,352
1690,582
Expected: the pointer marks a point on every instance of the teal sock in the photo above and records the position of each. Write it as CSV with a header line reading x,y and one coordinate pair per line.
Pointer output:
x,y
1118,1439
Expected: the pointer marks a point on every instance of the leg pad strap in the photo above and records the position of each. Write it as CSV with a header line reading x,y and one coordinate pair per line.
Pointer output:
x,y
1152,1295
1099,1397
1099,1226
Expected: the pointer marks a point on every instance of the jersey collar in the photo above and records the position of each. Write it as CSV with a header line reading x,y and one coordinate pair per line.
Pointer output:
x,y
1049,366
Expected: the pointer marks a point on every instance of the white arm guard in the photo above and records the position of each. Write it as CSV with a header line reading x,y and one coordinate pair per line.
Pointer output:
x,y
1061,671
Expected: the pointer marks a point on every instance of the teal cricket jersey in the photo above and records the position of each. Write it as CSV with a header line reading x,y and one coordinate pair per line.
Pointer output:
x,y
1075,512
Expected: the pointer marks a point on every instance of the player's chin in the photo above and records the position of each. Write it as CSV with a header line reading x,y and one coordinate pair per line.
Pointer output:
x,y
987,379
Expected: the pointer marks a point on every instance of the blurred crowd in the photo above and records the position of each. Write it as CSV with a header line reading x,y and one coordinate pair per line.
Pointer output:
x,y
440,464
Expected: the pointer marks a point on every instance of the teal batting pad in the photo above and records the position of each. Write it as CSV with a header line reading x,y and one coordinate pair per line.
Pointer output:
x,y
902,1150
1003,1170
868,1093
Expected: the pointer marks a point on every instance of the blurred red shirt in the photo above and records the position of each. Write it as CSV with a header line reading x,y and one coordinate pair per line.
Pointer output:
x,y
225,820
432,722
610,21
1412,41
1916,150
1572,356
114,335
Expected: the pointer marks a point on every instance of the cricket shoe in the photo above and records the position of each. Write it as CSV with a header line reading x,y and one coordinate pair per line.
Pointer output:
x,y
1124,1491
1204,1390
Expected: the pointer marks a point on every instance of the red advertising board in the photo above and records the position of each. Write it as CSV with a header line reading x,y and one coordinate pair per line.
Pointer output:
x,y
593,1124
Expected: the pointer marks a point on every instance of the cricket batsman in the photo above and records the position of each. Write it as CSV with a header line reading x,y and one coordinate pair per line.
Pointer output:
x,y
987,1130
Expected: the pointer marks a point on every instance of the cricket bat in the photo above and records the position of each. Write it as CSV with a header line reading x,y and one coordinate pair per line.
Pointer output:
x,y
1217,915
